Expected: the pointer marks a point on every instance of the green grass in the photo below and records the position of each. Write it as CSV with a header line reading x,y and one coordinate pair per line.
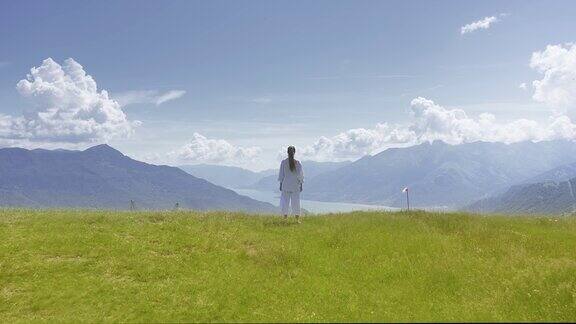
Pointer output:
x,y
369,266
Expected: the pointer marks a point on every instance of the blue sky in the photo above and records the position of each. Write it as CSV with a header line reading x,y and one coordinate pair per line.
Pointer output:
x,y
256,76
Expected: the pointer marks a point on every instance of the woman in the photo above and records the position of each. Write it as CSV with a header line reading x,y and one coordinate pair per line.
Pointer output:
x,y
291,178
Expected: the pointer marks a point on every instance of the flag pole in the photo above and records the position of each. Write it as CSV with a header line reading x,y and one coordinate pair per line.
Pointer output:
x,y
407,200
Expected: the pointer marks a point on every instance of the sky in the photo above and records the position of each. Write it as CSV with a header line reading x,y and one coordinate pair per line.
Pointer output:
x,y
236,82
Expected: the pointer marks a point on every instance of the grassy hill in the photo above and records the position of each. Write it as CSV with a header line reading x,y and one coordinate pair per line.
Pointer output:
x,y
369,266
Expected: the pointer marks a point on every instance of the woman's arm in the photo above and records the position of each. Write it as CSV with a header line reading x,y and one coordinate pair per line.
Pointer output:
x,y
300,175
281,174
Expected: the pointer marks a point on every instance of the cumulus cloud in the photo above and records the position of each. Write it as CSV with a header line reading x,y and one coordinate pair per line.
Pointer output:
x,y
483,23
433,122
67,108
429,122
148,96
557,88
204,150
357,142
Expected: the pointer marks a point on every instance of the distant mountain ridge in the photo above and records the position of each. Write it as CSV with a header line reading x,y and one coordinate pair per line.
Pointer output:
x,y
439,174
102,177
549,192
311,170
546,197
226,176
562,173
240,178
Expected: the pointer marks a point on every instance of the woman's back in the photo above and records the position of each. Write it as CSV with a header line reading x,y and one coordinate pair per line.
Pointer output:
x,y
291,179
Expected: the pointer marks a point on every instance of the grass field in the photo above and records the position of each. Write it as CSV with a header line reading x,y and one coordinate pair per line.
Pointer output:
x,y
369,266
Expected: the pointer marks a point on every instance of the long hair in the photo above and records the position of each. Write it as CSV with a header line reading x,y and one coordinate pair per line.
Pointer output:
x,y
291,161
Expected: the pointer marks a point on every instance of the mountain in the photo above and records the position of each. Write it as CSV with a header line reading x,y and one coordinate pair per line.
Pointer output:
x,y
546,197
311,170
562,173
550,192
226,176
439,174
102,177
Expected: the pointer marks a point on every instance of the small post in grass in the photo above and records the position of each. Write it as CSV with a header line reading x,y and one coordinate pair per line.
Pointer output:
x,y
407,198
132,205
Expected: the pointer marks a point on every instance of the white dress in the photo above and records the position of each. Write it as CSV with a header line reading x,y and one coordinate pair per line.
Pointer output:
x,y
291,182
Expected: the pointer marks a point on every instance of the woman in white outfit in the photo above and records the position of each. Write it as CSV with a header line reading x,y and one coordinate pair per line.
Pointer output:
x,y
291,178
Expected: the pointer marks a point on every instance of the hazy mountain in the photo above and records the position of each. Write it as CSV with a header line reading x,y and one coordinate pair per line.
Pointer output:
x,y
547,197
549,192
102,177
562,173
439,174
226,176
311,170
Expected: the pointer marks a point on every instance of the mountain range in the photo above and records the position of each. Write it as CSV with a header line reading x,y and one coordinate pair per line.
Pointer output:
x,y
267,180
227,176
102,177
551,192
311,170
439,174
546,197
523,177
557,174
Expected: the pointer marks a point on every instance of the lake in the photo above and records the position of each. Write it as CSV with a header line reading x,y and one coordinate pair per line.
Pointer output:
x,y
317,207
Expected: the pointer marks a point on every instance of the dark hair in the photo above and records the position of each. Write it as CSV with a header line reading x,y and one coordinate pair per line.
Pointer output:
x,y
291,161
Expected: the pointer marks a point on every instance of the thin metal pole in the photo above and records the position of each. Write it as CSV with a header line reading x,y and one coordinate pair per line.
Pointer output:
x,y
407,200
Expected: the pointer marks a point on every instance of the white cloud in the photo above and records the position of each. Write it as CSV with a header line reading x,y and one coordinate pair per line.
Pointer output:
x,y
430,122
357,142
68,109
484,23
170,95
557,88
204,150
148,96
434,122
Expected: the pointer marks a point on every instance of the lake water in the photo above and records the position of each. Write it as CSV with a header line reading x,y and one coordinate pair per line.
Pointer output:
x,y
317,207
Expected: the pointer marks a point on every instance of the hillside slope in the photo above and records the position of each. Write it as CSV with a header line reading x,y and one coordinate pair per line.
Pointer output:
x,y
226,176
547,197
562,173
102,177
80,266
439,174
